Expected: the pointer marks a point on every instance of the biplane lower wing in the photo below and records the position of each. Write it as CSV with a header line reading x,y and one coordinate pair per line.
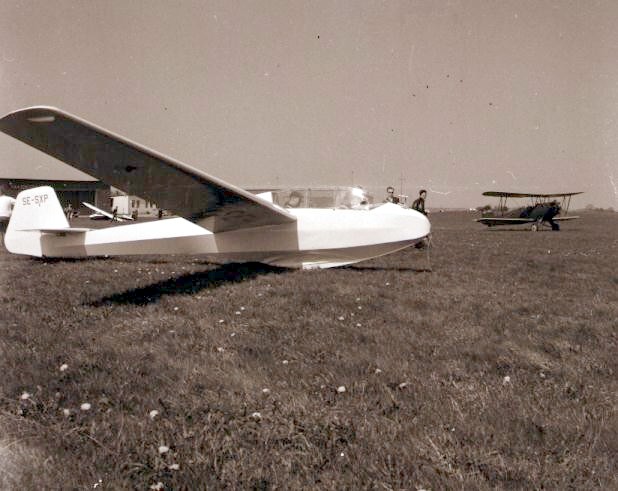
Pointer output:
x,y
137,170
504,221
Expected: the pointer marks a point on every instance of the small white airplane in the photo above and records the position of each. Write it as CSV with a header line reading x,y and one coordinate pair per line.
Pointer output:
x,y
100,214
221,221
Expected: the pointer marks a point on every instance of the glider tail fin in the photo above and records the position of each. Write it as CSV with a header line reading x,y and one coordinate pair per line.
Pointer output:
x,y
35,209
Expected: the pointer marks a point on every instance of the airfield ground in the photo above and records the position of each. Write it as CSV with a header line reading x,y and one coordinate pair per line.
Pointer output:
x,y
497,369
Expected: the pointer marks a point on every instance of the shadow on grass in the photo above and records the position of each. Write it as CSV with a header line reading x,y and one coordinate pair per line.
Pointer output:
x,y
387,268
189,284
53,260
494,230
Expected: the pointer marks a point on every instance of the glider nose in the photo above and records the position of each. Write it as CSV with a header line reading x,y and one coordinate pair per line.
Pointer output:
x,y
422,225
417,225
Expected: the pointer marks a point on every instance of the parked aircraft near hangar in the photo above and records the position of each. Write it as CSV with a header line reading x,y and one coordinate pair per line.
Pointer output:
x,y
214,218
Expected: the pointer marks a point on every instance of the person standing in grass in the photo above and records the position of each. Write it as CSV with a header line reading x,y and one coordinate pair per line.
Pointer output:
x,y
419,203
6,208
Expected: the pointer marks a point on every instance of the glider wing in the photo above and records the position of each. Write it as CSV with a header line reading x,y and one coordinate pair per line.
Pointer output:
x,y
137,170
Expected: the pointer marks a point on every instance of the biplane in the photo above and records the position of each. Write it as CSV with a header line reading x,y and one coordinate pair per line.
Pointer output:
x,y
222,222
544,209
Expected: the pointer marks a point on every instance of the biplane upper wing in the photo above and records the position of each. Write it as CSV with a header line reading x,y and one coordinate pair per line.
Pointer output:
x,y
570,217
137,170
505,194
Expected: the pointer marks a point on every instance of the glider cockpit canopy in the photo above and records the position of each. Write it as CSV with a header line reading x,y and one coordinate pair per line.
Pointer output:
x,y
335,197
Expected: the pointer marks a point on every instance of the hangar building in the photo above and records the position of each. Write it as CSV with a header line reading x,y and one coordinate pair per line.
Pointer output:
x,y
69,192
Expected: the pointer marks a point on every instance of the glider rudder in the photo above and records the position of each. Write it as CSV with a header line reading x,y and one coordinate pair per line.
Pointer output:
x,y
35,209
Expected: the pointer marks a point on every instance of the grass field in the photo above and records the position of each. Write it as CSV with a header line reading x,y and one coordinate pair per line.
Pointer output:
x,y
496,369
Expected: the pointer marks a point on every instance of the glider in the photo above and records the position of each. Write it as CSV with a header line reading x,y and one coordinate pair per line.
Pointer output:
x,y
100,214
543,210
219,220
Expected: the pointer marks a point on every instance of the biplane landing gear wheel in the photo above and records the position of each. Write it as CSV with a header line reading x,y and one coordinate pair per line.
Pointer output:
x,y
535,226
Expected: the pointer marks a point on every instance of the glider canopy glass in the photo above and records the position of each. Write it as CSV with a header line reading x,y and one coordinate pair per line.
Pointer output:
x,y
323,197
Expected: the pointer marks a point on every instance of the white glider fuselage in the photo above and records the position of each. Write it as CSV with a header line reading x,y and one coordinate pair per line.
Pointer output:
x,y
318,238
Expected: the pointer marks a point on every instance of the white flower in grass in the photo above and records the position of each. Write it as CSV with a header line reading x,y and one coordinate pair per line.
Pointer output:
x,y
220,349
358,324
64,367
85,406
153,414
242,308
341,389
237,312
173,467
163,449
403,385
175,309
378,371
221,321
285,362
256,416
506,380
157,486
25,396
265,391
66,412
341,318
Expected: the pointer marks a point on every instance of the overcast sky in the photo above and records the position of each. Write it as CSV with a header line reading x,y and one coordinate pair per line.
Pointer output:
x,y
458,97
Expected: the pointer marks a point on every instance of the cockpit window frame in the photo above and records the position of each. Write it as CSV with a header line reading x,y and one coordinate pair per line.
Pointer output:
x,y
336,197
